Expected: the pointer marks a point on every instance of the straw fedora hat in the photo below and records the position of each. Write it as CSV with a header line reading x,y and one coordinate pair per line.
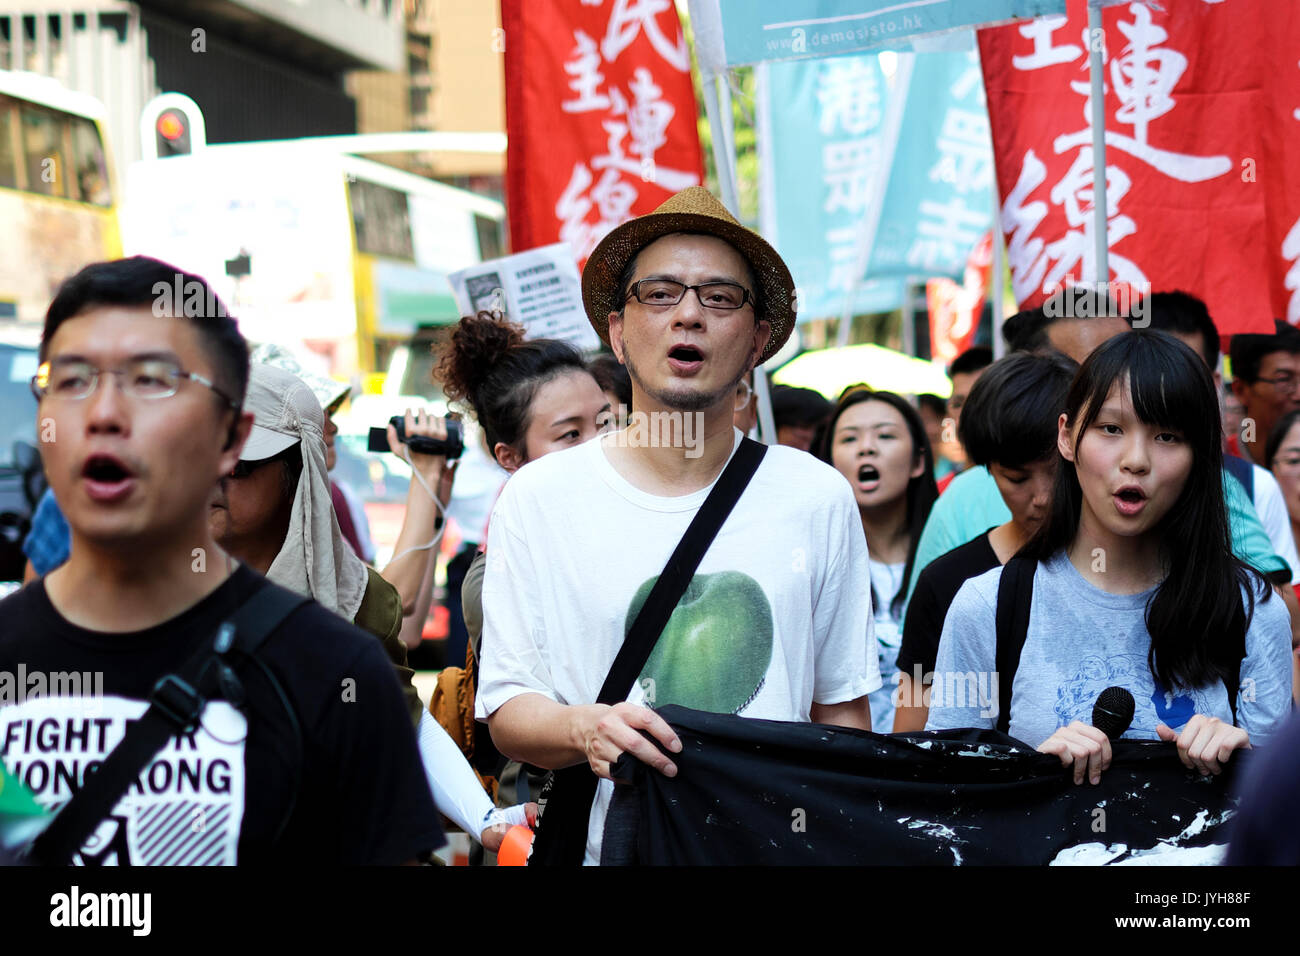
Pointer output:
x,y
692,210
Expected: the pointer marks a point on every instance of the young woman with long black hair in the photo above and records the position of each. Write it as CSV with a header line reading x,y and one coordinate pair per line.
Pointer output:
x,y
1135,583
1009,426
877,441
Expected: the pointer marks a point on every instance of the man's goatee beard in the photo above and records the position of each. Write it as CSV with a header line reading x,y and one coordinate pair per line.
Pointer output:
x,y
692,401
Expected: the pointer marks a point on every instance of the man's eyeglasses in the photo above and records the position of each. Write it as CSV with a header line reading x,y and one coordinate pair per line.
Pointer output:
x,y
727,296
147,378
1284,383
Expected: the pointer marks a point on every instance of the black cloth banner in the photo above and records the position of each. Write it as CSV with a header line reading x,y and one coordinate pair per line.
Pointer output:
x,y
769,792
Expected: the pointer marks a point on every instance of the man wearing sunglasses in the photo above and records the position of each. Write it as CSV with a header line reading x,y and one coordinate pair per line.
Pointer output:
x,y
141,414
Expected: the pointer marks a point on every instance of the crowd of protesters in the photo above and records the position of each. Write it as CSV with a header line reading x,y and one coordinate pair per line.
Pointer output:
x,y
185,481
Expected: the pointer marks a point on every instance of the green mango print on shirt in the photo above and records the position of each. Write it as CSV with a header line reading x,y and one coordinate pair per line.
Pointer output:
x,y
716,647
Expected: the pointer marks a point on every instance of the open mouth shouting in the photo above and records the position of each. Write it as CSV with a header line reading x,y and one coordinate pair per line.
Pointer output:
x,y
1130,500
107,478
685,359
869,477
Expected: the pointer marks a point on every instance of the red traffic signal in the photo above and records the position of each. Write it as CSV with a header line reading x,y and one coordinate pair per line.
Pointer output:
x,y
173,133
171,124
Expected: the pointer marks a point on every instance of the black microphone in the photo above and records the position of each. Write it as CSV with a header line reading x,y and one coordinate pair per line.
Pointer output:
x,y
1113,712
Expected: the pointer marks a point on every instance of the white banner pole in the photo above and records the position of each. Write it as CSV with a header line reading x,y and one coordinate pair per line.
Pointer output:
x,y
717,106
1096,42
995,280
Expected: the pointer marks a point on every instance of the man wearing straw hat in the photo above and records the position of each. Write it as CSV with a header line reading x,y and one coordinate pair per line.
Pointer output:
x,y
775,623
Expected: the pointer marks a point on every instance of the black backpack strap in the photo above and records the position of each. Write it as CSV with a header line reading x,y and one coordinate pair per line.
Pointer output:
x,y
175,707
1015,597
562,838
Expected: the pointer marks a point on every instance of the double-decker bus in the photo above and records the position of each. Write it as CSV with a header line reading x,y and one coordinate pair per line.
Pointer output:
x,y
312,247
58,205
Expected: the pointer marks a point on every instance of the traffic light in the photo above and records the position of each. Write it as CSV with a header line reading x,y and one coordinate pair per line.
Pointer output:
x,y
173,131
171,124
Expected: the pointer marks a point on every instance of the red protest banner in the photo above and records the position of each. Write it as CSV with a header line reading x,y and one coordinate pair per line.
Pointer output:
x,y
1278,30
1194,174
600,115
955,309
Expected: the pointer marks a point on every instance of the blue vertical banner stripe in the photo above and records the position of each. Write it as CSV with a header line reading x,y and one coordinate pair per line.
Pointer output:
x,y
822,149
938,198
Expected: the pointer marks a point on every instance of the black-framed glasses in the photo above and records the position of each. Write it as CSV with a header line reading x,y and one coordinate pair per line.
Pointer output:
x,y
146,378
727,296
1285,383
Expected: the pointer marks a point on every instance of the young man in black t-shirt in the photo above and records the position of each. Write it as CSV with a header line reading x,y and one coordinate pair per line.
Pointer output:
x,y
1009,424
140,413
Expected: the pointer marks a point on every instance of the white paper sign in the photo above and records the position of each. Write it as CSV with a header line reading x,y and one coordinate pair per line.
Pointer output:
x,y
539,289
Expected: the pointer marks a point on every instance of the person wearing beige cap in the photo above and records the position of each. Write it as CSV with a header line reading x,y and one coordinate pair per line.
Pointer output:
x,y
775,623
331,394
273,512
410,570
280,520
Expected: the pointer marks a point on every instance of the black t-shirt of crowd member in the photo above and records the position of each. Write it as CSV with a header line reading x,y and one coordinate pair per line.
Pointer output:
x,y
936,586
348,789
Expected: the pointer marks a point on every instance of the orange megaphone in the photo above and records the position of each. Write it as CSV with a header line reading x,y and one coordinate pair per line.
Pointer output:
x,y
516,846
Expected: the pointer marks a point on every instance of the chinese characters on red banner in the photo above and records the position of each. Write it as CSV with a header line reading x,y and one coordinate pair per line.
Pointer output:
x,y
600,115
1189,135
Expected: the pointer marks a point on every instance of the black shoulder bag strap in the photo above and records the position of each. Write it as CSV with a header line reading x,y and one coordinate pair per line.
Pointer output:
x,y
562,836
1015,597
175,706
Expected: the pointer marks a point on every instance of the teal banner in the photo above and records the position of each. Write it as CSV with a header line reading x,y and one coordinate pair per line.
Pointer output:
x,y
757,30
938,200
821,157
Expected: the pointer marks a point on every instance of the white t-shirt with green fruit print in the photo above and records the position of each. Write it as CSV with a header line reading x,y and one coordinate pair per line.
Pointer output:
x,y
776,618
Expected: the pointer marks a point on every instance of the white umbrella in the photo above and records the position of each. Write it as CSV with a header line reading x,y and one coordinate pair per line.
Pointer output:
x,y
830,371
